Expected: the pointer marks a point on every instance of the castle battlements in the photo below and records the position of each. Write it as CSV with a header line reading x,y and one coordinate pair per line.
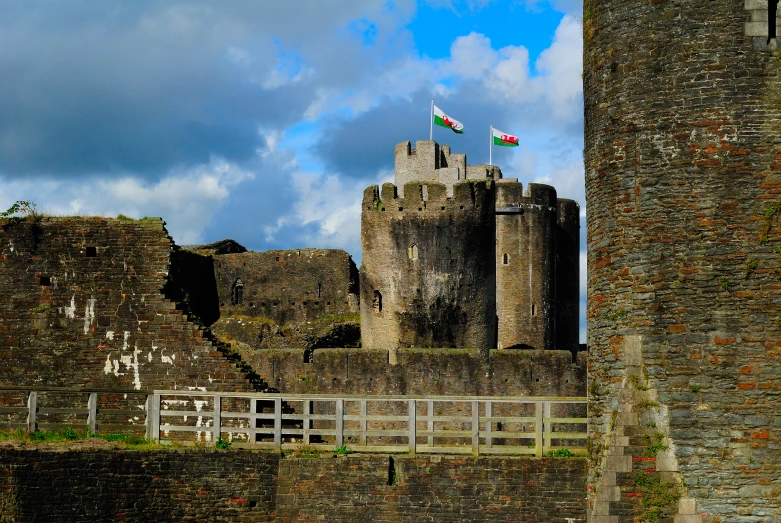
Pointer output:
x,y
429,197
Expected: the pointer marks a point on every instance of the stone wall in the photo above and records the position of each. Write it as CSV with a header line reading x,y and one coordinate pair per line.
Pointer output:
x,y
236,485
118,485
431,488
683,182
443,372
284,286
428,276
82,306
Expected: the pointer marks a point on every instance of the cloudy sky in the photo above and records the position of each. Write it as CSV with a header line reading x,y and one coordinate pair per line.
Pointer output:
x,y
263,121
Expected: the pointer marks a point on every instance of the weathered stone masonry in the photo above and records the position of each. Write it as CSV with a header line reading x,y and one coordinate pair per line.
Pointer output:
x,y
82,306
457,256
683,181
240,485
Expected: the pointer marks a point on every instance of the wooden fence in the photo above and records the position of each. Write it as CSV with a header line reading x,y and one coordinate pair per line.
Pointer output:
x,y
442,424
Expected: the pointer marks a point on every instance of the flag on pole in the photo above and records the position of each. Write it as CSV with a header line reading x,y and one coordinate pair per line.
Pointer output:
x,y
504,139
444,120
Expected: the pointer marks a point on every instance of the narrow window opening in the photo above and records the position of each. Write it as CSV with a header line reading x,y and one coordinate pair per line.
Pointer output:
x,y
401,208
237,292
377,302
391,472
45,281
319,289
412,252
506,259
92,252
534,313
772,12
309,356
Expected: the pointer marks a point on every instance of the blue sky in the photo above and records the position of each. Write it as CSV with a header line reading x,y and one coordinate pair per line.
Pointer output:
x,y
263,122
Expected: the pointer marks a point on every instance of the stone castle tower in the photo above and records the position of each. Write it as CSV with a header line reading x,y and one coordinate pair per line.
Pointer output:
x,y
456,256
683,181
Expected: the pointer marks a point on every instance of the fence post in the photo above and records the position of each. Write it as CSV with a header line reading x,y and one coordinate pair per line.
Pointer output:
x,y
32,411
277,423
546,431
217,418
475,428
307,412
430,423
412,421
538,429
92,416
488,413
153,417
364,438
339,422
253,419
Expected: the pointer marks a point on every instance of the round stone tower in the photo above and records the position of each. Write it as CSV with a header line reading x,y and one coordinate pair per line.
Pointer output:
x,y
428,275
683,189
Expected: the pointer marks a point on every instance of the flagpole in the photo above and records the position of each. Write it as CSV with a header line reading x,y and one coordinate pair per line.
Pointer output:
x,y
431,122
491,145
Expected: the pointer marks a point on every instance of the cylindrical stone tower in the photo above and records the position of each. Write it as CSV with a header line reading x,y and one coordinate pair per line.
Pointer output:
x,y
567,307
526,242
428,274
683,188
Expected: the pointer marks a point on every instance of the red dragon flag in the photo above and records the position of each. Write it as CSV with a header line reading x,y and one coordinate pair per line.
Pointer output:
x,y
504,139
441,119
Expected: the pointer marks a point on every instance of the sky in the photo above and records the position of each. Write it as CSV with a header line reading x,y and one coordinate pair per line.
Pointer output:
x,y
264,121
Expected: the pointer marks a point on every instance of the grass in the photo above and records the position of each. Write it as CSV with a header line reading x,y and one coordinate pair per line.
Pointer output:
x,y
70,434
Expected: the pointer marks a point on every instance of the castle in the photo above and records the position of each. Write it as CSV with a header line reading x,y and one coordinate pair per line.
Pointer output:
x,y
683,180
458,256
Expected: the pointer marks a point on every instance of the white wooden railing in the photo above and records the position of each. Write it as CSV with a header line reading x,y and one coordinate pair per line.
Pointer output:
x,y
432,424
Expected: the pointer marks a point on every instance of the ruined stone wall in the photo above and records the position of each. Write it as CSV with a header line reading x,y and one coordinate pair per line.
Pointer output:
x,y
683,181
82,305
428,276
242,485
284,286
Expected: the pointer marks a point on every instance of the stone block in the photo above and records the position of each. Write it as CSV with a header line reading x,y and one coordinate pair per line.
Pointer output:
x,y
687,506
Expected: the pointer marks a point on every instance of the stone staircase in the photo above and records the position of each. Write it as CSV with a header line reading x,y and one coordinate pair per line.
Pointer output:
x,y
640,481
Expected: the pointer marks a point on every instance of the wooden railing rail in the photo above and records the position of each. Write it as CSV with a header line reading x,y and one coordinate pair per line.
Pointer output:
x,y
431,424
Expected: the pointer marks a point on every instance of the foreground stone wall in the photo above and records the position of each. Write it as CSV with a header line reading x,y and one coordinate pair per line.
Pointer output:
x,y
683,182
431,488
209,485
82,306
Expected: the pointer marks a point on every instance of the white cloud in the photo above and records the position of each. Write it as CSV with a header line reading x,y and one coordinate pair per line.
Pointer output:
x,y
561,68
186,200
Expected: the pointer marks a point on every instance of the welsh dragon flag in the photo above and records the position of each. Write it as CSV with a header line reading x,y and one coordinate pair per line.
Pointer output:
x,y
444,120
504,139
